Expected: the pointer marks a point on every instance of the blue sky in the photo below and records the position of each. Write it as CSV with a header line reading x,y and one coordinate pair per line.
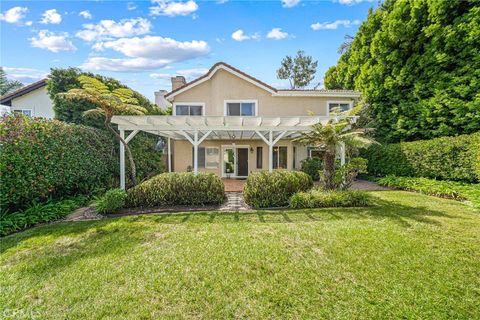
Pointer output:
x,y
143,43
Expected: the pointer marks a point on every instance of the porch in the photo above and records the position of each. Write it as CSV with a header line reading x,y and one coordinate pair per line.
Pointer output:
x,y
198,129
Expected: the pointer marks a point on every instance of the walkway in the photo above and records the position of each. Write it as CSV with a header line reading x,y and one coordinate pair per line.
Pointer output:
x,y
235,202
233,185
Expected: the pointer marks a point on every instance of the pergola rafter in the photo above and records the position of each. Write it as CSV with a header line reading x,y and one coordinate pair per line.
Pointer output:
x,y
196,129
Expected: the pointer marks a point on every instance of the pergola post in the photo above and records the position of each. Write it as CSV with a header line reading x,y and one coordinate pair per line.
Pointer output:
x,y
342,153
270,151
122,161
195,152
169,155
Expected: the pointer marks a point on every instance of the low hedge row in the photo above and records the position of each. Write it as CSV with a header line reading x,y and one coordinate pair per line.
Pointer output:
x,y
317,198
265,189
446,158
177,189
444,189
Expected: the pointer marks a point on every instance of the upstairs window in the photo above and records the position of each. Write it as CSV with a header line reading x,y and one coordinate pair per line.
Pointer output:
x,y
240,108
337,107
188,109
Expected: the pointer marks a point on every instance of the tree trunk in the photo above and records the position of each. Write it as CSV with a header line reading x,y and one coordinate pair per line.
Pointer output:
x,y
133,173
329,169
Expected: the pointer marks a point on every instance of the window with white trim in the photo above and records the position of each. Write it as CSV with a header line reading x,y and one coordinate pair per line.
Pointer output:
x,y
279,157
188,110
339,107
27,112
208,157
241,108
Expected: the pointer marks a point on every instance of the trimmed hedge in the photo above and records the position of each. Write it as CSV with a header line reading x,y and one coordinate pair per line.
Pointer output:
x,y
447,158
312,166
443,189
176,188
318,198
268,190
47,159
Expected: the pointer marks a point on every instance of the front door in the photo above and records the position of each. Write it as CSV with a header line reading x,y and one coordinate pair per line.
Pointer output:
x,y
242,162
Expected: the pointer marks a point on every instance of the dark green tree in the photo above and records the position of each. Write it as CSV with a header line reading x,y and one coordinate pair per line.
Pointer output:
x,y
6,85
300,70
417,63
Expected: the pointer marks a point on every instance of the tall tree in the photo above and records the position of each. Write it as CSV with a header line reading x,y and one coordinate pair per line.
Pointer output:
x,y
6,85
299,71
417,64
108,103
327,137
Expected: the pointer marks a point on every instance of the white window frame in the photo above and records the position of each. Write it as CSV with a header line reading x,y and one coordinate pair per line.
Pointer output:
x,y
278,157
202,104
349,102
218,157
21,110
255,105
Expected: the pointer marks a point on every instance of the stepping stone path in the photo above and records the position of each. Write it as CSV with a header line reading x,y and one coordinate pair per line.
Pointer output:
x,y
235,202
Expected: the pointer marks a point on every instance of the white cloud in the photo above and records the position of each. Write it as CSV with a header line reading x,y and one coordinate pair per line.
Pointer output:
x,y
14,15
189,74
240,35
156,47
334,25
123,65
28,23
277,34
51,16
147,53
173,8
131,6
290,3
109,29
25,75
352,2
52,42
85,14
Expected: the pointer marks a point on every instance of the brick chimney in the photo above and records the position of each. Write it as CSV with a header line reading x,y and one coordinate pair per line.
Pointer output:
x,y
177,82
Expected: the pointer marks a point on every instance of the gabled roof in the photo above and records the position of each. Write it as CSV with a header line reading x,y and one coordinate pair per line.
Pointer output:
x,y
260,84
7,99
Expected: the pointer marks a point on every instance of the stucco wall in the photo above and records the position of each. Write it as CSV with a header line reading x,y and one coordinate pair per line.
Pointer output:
x,y
226,86
38,101
182,154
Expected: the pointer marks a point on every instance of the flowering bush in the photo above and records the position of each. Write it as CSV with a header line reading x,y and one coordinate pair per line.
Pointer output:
x,y
47,159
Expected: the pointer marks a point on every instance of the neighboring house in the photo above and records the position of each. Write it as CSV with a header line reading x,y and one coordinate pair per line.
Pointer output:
x,y
234,124
31,100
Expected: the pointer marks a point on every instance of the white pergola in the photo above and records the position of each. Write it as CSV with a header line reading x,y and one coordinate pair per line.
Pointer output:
x,y
196,129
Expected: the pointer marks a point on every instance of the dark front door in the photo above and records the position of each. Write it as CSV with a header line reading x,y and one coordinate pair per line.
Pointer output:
x,y
242,162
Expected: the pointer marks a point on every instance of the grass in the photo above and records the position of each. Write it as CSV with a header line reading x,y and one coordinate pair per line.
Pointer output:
x,y
411,256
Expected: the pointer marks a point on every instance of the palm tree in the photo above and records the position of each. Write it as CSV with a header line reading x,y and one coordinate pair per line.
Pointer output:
x,y
327,137
109,103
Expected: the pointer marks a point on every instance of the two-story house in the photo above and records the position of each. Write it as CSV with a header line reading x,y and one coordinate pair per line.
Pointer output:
x,y
232,124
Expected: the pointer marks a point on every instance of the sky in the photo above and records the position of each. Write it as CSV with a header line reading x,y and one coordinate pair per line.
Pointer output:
x,y
144,43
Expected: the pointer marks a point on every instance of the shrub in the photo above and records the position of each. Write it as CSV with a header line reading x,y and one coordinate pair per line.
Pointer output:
x,y
47,159
266,190
111,201
444,189
447,158
38,213
175,188
346,174
312,166
318,198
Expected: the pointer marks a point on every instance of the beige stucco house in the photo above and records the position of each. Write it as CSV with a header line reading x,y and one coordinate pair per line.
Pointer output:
x,y
232,124
31,100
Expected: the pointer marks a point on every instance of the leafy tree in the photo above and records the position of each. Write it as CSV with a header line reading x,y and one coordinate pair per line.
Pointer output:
x,y
6,85
417,63
62,80
327,137
299,71
108,103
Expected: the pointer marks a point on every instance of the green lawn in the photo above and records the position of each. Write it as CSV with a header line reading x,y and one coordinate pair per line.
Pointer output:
x,y
411,256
